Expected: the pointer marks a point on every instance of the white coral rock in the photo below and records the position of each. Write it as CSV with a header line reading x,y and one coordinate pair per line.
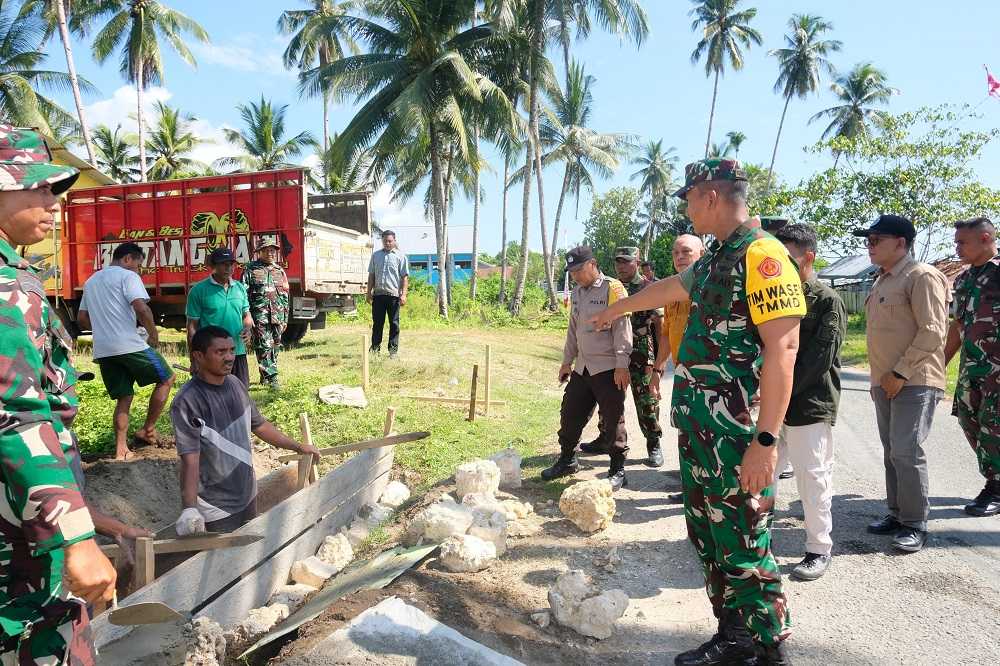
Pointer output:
x,y
490,526
578,604
589,505
336,551
509,462
467,553
478,476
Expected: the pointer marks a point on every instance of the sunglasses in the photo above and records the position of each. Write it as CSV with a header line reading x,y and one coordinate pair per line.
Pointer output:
x,y
872,241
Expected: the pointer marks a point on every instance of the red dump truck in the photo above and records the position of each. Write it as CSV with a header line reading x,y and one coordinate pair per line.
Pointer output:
x,y
325,240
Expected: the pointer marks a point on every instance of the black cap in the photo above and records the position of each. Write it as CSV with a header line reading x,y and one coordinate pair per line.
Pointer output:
x,y
578,256
890,225
221,255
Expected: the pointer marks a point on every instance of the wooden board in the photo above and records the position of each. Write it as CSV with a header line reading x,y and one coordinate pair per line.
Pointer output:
x,y
193,583
189,544
452,401
391,440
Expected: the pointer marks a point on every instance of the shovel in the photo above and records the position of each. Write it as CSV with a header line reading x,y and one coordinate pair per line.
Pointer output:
x,y
147,612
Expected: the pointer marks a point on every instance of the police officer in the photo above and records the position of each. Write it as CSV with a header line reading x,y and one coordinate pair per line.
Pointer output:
x,y
646,327
974,331
267,291
741,339
595,362
51,564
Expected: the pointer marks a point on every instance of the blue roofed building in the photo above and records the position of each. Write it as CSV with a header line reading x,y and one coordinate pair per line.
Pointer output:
x,y
419,244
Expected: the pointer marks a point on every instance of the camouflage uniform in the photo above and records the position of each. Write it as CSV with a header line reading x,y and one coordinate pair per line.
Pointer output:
x,y
267,290
977,311
41,509
644,334
717,374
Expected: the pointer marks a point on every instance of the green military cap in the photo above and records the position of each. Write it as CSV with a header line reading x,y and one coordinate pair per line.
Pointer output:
x,y
714,168
627,252
265,242
26,163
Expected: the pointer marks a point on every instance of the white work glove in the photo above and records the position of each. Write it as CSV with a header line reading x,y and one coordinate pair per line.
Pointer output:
x,y
190,522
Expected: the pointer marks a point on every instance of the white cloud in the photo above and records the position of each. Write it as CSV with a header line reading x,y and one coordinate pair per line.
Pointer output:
x,y
389,214
245,53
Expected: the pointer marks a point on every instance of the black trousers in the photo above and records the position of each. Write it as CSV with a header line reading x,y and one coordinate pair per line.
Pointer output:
x,y
584,393
382,306
241,370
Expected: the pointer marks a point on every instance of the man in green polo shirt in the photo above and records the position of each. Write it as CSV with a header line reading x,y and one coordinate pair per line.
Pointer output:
x,y
219,300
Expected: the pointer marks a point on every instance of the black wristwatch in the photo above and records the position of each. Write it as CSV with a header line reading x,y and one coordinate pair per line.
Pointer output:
x,y
765,438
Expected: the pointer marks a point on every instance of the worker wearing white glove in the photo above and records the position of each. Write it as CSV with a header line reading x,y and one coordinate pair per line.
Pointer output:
x,y
190,522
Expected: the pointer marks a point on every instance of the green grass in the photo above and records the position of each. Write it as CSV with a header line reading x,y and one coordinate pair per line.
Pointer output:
x,y
855,350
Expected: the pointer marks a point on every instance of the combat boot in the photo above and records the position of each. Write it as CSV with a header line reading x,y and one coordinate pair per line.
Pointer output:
x,y
773,655
565,466
733,645
616,473
595,447
987,503
654,453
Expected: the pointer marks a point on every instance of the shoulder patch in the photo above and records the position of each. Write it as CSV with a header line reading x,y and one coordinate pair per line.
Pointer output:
x,y
769,268
616,291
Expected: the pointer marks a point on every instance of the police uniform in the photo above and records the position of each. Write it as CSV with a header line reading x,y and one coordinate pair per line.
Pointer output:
x,y
42,508
977,311
742,281
594,355
267,291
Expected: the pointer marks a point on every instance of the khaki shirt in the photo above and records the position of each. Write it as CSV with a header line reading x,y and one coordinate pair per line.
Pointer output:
x,y
587,348
907,313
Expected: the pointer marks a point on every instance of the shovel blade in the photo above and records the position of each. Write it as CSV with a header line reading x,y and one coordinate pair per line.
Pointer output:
x,y
149,612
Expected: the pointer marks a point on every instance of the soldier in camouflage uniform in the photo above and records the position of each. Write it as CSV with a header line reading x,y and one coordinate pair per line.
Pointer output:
x,y
267,290
50,564
741,339
975,331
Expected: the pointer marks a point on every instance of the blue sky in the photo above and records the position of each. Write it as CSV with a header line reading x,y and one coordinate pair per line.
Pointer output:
x,y
932,52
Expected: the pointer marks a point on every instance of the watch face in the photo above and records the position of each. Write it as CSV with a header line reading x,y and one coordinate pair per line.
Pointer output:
x,y
765,438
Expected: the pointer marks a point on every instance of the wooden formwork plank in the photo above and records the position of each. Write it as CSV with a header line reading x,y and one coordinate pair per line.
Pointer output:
x,y
194,582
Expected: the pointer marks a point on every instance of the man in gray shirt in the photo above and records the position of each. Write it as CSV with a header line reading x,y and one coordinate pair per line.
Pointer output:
x,y
213,416
595,362
388,280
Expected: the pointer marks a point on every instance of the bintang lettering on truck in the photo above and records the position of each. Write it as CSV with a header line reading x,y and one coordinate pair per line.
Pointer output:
x,y
776,297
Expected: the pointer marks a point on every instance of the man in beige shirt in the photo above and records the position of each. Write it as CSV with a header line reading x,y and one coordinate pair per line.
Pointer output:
x,y
595,363
907,313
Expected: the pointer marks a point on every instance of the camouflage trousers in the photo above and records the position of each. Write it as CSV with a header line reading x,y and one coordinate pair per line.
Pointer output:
x,y
731,530
647,406
266,343
40,627
979,416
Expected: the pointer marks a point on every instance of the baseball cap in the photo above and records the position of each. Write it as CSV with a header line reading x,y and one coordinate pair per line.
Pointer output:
x,y
710,169
220,255
578,256
627,252
267,241
890,225
26,163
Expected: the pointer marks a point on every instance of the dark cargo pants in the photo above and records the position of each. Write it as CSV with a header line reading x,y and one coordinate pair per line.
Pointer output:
x,y
584,393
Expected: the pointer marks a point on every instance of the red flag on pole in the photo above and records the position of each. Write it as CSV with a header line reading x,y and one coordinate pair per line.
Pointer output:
x,y
993,86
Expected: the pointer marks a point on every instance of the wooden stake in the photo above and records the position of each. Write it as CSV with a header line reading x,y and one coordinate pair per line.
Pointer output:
x,y
454,401
365,344
391,440
307,464
472,393
489,376
145,563
390,420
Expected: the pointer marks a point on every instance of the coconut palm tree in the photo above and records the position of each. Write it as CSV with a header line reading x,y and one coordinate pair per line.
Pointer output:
x,y
800,62
63,128
134,29
319,37
426,72
725,33
170,141
330,176
22,82
55,14
723,149
115,153
262,144
656,169
625,18
736,140
858,90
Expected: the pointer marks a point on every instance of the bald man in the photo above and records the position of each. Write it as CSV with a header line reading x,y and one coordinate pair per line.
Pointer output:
x,y
686,250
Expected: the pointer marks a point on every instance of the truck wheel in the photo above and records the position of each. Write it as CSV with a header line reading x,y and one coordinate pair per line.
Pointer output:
x,y
67,320
295,332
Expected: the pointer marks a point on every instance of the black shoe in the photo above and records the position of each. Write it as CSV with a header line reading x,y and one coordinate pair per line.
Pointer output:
x,y
773,655
732,645
563,467
617,479
811,567
987,503
595,448
909,539
655,457
888,525
787,474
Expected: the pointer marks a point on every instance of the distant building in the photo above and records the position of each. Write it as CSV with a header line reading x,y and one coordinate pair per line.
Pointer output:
x,y
419,243
852,277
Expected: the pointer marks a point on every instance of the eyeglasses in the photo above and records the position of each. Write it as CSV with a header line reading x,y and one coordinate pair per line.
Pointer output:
x,y
872,241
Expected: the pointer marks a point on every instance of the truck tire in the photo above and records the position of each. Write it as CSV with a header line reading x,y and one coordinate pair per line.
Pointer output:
x,y
294,333
67,320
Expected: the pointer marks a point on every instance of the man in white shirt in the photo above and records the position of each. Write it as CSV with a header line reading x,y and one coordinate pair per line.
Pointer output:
x,y
113,305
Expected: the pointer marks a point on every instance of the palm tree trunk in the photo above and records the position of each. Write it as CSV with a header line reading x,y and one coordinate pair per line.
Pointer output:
x,y
140,119
555,228
437,206
475,219
449,269
774,154
502,295
73,80
550,286
711,113
326,121
522,268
